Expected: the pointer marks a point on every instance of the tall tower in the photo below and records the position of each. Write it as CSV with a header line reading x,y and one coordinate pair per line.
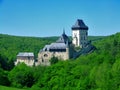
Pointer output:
x,y
79,33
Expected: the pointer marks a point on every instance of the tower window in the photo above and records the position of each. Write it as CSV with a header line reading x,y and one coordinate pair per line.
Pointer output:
x,y
81,38
75,35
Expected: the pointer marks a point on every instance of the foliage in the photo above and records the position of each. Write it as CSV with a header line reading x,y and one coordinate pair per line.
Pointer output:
x,y
53,60
21,76
99,70
96,38
96,71
4,78
9,88
10,46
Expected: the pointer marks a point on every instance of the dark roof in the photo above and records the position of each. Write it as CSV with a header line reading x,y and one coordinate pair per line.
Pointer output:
x,y
46,48
63,38
61,44
79,25
58,46
55,46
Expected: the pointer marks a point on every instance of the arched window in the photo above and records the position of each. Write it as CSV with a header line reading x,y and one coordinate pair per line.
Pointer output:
x,y
42,60
45,55
76,41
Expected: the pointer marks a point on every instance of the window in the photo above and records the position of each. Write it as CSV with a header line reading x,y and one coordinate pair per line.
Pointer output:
x,y
45,49
84,37
45,55
42,60
81,38
28,58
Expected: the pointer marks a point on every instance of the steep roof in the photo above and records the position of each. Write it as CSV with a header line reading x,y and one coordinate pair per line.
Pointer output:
x,y
79,25
58,46
61,44
46,48
55,46
63,38
25,54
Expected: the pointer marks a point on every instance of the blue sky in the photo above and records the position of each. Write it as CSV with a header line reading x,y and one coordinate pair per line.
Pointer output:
x,y
41,18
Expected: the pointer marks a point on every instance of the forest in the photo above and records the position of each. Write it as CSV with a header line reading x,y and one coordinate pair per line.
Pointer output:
x,y
99,70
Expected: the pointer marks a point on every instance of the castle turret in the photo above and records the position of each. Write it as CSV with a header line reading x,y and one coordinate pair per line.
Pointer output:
x,y
79,34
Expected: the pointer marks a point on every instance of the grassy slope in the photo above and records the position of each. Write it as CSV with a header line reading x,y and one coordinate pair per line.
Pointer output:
x,y
9,88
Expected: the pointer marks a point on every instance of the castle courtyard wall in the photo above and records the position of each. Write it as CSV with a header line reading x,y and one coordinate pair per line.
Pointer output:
x,y
45,56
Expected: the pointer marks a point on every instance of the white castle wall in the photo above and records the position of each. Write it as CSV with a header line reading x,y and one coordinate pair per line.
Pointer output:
x,y
79,37
26,61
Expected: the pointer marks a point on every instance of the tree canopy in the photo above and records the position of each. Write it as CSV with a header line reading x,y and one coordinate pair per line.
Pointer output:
x,y
99,70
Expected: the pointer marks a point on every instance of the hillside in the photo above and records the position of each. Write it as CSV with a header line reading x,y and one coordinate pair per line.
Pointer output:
x,y
9,88
95,71
11,45
96,38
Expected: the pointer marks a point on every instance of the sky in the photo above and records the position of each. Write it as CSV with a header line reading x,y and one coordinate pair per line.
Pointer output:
x,y
43,18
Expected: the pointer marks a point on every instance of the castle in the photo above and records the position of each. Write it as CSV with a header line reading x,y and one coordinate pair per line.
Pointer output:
x,y
79,34
63,48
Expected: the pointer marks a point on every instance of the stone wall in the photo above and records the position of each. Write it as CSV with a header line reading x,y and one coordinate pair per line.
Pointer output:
x,y
45,56
29,62
71,51
83,38
76,37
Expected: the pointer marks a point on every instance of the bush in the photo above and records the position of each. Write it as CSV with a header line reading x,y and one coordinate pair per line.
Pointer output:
x,y
53,60
3,78
21,76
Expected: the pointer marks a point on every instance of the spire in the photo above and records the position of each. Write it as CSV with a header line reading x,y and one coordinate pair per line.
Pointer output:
x,y
63,38
63,31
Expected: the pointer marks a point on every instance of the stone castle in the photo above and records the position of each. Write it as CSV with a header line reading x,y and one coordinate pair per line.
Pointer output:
x,y
63,48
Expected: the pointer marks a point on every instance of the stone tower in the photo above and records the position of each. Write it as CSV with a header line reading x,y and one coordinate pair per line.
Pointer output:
x,y
79,34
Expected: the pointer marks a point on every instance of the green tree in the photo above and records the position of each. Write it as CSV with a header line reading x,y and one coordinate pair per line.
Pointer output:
x,y
53,60
21,76
3,78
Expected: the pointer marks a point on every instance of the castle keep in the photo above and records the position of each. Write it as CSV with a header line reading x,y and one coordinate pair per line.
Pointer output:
x,y
63,48
79,34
